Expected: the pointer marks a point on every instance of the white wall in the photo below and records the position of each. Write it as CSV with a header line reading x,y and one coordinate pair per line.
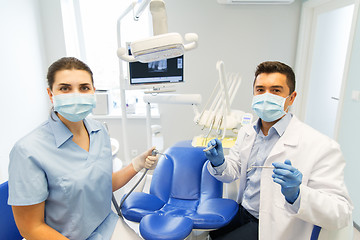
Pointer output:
x,y
349,131
52,25
240,35
23,97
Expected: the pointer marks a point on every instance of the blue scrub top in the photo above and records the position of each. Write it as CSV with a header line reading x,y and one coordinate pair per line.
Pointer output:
x,y
76,185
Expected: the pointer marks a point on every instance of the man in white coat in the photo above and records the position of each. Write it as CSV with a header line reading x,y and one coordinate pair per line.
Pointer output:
x,y
291,176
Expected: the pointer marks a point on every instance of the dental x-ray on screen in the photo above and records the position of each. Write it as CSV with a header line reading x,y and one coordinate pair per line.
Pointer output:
x,y
157,74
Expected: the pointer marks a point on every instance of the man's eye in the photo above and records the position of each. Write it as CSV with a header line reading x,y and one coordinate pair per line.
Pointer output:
x,y
85,88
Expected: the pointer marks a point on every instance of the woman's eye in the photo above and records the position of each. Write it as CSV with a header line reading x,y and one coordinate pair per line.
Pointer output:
x,y
85,88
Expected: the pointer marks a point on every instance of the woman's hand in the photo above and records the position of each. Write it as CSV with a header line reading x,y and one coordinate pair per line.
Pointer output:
x,y
145,160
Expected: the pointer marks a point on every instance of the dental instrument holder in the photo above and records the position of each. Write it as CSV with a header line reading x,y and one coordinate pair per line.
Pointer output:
x,y
220,116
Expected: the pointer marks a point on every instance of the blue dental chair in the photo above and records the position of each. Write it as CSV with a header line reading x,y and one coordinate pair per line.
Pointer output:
x,y
183,196
8,229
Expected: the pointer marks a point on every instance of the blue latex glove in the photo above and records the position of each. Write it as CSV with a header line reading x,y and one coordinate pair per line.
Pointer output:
x,y
215,155
289,178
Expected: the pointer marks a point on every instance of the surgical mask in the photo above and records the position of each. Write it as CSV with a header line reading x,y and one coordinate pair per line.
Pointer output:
x,y
74,106
269,107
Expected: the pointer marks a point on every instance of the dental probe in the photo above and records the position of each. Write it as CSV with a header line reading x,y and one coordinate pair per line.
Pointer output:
x,y
250,168
209,148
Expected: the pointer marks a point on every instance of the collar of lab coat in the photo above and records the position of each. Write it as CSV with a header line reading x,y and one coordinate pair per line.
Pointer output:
x,y
290,137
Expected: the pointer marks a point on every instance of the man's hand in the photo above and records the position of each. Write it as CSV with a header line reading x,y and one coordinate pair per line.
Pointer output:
x,y
289,178
215,155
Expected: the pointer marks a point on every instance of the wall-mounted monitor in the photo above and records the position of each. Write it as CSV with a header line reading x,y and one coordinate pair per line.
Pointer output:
x,y
155,75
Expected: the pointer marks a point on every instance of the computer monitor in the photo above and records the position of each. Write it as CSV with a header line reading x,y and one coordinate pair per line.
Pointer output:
x,y
155,75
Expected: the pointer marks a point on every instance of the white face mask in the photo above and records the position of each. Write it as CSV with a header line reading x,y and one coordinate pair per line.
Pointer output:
x,y
269,107
74,106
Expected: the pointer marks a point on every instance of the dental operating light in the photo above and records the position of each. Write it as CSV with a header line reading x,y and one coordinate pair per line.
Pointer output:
x,y
162,45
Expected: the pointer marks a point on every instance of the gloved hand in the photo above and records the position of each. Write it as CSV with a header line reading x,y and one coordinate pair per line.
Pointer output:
x,y
289,178
215,155
145,160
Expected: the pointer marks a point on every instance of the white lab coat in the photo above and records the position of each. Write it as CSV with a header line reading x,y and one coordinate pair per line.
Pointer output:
x,y
323,199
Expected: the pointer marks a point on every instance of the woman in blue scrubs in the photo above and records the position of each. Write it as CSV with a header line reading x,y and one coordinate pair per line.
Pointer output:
x,y
60,174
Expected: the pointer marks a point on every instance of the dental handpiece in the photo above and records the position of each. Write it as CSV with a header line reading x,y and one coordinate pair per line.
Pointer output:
x,y
153,153
156,152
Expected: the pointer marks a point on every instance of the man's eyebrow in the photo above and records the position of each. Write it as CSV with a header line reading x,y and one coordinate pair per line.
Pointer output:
x,y
64,84
274,86
277,86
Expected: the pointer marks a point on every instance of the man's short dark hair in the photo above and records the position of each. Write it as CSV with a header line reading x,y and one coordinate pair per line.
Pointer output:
x,y
277,67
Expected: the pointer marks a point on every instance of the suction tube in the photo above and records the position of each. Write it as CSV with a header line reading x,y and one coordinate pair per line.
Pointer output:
x,y
117,207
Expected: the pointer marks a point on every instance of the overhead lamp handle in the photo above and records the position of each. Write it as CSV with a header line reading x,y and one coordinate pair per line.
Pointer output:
x,y
122,54
193,39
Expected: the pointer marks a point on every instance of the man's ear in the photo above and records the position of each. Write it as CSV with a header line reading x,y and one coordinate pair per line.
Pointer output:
x,y
292,98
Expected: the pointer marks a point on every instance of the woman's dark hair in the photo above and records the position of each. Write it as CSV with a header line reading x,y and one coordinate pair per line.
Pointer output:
x,y
66,63
277,67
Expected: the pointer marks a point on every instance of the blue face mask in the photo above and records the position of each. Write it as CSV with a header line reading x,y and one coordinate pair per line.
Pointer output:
x,y
269,107
74,106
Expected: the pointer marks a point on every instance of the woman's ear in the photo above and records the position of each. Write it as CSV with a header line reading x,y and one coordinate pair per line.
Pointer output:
x,y
50,95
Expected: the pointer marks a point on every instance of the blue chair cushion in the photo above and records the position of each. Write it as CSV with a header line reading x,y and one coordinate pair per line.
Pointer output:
x,y
161,227
140,204
8,229
214,213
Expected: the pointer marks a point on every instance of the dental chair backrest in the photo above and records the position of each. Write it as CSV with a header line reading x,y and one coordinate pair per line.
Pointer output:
x,y
180,179
181,187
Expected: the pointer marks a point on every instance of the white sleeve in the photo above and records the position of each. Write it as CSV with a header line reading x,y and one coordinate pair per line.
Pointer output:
x,y
230,170
324,198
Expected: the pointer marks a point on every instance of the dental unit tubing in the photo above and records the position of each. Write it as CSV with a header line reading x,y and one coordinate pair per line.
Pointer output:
x,y
223,83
